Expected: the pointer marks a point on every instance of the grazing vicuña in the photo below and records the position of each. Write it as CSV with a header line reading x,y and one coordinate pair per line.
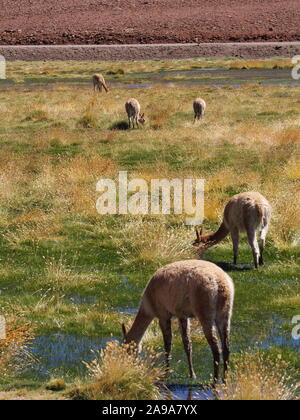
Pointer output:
x,y
199,106
246,212
187,289
133,110
99,83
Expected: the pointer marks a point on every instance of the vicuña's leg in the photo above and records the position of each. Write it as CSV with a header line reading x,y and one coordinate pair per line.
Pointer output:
x,y
252,239
235,241
223,325
187,344
262,243
165,326
211,337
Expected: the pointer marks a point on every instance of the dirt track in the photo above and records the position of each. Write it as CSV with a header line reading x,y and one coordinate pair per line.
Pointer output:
x,y
38,22
150,51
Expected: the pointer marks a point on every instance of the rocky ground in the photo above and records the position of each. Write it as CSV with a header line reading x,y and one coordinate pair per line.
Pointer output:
x,y
36,22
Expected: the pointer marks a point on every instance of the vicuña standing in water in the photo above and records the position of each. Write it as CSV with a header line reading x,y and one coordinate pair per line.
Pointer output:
x,y
187,289
99,83
133,109
246,212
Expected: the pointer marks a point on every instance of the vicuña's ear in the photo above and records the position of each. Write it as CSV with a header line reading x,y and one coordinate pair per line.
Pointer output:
x,y
197,233
201,231
124,330
142,116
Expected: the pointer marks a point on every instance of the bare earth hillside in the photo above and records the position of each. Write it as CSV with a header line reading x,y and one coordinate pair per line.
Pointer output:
x,y
147,21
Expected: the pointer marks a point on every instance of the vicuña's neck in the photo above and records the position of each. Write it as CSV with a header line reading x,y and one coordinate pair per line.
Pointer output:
x,y
216,237
139,326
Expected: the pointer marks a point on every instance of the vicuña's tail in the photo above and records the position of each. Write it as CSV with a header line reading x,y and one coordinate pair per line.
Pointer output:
x,y
260,213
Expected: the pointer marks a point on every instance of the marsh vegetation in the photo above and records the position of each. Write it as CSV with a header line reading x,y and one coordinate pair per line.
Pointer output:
x,y
71,273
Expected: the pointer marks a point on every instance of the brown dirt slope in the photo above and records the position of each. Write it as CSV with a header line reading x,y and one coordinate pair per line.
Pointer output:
x,y
147,21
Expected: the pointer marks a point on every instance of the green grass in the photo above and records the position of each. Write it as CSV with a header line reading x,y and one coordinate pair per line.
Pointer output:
x,y
56,144
63,71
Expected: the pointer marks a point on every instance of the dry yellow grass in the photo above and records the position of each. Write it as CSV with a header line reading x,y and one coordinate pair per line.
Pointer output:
x,y
256,378
151,241
56,384
30,395
57,143
58,185
292,169
118,374
13,344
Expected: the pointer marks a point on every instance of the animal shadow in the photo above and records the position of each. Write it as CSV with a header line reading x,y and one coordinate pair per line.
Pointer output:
x,y
232,267
119,125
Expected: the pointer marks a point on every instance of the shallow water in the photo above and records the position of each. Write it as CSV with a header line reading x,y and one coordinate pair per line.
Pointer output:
x,y
79,299
61,352
280,338
211,77
127,311
187,392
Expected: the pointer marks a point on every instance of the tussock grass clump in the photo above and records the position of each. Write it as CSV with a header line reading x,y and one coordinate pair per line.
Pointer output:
x,y
88,121
117,374
89,118
37,115
56,384
116,72
158,121
57,274
256,377
292,169
152,241
285,228
32,231
16,338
